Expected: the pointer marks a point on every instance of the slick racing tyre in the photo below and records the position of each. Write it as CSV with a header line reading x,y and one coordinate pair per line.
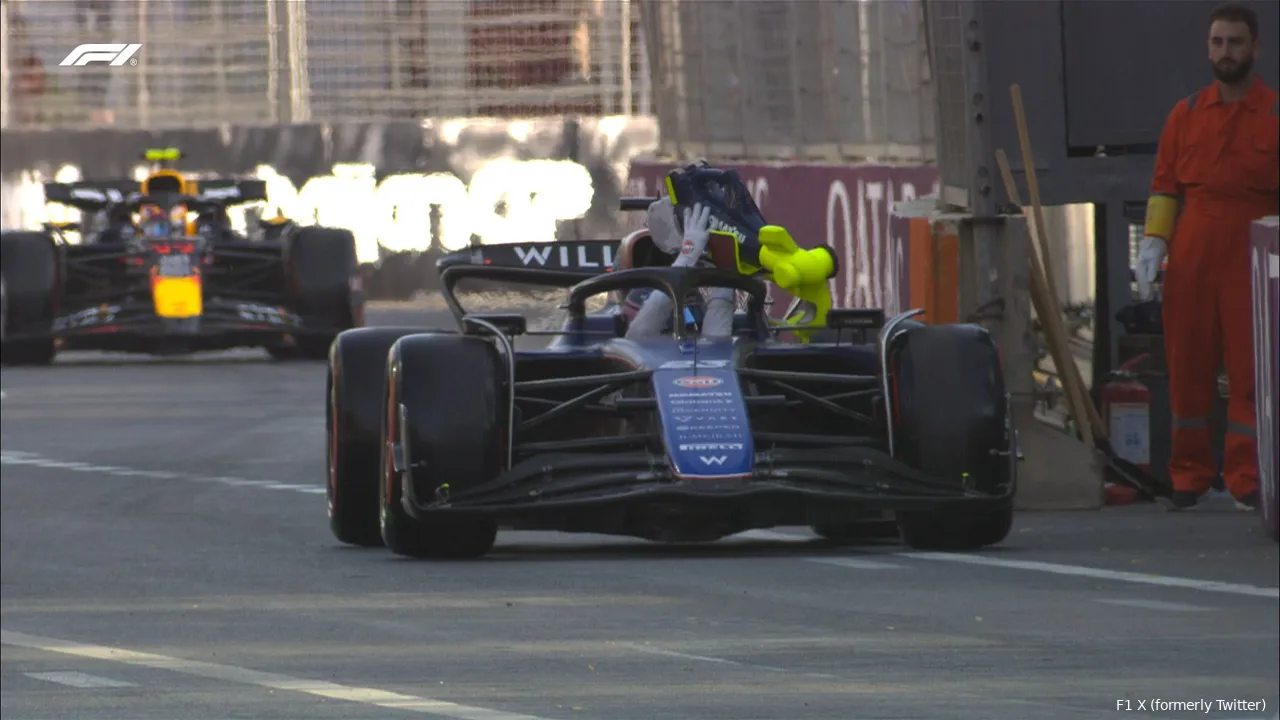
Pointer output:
x,y
952,422
29,274
446,414
353,423
324,286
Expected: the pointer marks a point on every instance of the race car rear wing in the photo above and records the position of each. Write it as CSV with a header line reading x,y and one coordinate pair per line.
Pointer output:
x,y
584,258
92,196
231,192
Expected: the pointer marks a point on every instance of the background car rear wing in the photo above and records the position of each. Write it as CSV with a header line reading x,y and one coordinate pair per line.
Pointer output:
x,y
92,196
231,192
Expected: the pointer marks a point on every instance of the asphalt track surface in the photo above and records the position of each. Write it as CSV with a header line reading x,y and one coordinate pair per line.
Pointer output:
x,y
166,555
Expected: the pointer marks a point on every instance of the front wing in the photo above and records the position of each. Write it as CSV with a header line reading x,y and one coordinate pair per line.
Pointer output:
x,y
134,325
792,486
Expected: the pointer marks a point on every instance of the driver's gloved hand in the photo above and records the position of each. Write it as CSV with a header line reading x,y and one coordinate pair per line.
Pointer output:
x,y
697,221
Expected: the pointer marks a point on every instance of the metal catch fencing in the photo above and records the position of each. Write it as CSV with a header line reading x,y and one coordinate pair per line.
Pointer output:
x,y
792,80
263,62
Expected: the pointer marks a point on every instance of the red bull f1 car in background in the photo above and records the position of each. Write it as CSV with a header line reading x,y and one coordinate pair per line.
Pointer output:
x,y
160,270
438,438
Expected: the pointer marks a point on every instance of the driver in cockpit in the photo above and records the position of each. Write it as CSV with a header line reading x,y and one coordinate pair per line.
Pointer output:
x,y
153,222
649,310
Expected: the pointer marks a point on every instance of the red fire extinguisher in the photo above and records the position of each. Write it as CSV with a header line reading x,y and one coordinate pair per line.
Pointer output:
x,y
1126,410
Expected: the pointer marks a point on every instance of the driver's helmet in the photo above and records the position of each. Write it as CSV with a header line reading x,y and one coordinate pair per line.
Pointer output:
x,y
153,221
723,191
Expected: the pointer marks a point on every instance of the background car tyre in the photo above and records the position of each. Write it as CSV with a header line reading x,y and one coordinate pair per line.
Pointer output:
x,y
324,284
952,422
29,265
353,424
454,392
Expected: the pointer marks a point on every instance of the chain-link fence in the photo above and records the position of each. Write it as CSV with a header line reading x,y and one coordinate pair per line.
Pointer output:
x,y
836,80
208,62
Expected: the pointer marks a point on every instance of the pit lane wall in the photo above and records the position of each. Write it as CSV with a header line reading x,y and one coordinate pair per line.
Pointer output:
x,y
407,190
1265,259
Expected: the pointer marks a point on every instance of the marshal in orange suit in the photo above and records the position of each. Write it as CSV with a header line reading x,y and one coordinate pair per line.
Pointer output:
x,y
1216,172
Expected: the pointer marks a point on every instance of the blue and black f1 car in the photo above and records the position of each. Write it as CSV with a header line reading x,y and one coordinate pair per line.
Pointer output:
x,y
437,438
160,270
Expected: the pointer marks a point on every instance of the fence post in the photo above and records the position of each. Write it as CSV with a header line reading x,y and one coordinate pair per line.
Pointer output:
x,y
6,97
144,84
299,83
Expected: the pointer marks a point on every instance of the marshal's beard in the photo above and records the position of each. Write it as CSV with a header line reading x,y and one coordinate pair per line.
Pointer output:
x,y
1231,73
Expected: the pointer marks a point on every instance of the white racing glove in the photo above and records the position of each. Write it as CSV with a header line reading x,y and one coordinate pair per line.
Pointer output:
x,y
656,310
697,221
1151,254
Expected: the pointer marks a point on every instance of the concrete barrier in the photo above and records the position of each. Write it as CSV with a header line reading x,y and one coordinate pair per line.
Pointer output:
x,y
1266,344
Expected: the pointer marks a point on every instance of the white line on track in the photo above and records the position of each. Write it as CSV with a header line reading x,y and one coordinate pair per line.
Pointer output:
x,y
651,650
772,535
855,563
1152,605
80,680
1101,574
9,457
272,681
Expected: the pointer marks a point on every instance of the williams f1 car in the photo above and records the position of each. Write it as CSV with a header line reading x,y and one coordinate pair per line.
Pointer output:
x,y
160,270
437,438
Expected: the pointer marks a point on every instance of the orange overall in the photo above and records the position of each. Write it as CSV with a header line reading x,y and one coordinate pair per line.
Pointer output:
x,y
1219,160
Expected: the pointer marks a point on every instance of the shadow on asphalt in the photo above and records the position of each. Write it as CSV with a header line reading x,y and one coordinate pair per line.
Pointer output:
x,y
643,550
171,361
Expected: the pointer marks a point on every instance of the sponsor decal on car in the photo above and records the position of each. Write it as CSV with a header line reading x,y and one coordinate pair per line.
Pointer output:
x,y
698,381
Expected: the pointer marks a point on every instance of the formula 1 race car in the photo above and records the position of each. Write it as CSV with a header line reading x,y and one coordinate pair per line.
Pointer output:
x,y
437,438
160,270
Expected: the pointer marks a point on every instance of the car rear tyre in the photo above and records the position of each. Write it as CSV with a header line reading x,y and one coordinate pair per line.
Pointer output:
x,y
952,422
353,423
446,411
28,282
324,287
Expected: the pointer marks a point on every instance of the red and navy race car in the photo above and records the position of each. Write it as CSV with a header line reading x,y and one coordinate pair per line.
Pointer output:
x,y
159,270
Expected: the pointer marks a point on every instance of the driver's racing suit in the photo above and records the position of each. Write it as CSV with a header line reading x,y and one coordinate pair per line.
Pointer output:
x,y
649,310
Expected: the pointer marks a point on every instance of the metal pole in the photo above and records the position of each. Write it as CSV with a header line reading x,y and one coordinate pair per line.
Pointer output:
x,y
273,62
626,57
6,98
144,91
864,68
220,56
299,87
798,134
645,68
